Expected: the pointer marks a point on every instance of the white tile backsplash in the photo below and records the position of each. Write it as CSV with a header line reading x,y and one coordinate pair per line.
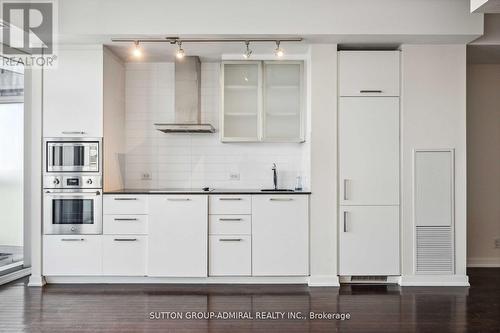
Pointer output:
x,y
195,160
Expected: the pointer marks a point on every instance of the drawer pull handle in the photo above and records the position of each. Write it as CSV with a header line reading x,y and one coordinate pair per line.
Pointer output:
x,y
370,91
125,239
230,240
280,199
72,239
230,199
179,199
124,199
73,132
125,219
222,219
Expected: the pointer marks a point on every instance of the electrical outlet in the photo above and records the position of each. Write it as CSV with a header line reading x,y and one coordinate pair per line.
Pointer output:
x,y
145,176
234,176
497,243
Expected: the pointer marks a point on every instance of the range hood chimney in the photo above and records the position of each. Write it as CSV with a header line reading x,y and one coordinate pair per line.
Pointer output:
x,y
187,99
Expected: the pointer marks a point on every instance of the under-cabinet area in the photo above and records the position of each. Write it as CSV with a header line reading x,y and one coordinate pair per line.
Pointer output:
x,y
189,236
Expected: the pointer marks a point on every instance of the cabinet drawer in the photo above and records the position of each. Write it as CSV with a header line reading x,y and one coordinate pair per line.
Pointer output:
x,y
125,224
369,73
125,204
230,224
72,255
124,255
230,255
230,204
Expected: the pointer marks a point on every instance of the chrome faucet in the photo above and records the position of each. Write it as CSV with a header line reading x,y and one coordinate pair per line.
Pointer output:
x,y
275,177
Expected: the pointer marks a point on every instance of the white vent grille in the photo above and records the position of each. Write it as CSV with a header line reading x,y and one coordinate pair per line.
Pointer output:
x,y
434,250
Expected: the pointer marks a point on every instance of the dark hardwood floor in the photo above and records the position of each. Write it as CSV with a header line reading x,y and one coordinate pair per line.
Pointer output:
x,y
127,308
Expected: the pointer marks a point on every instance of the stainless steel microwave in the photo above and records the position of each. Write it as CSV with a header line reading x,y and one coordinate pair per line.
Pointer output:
x,y
72,155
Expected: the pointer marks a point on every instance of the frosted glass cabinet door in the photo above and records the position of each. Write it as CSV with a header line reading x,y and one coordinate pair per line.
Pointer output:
x,y
241,91
283,116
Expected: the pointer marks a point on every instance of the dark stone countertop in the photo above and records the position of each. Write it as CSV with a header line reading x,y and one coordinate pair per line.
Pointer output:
x,y
200,191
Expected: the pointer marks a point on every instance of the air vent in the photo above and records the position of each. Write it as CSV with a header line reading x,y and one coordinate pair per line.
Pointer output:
x,y
434,250
370,278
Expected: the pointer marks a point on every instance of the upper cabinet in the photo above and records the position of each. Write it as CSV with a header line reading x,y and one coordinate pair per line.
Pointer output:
x,y
262,101
242,96
73,94
369,73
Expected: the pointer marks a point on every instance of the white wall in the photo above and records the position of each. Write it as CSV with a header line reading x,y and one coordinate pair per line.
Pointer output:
x,y
353,19
11,173
433,116
113,121
323,223
195,160
483,164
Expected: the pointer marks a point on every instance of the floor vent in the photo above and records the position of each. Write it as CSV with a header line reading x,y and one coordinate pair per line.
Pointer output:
x,y
368,279
434,250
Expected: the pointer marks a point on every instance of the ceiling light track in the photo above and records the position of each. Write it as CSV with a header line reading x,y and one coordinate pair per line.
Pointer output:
x,y
176,40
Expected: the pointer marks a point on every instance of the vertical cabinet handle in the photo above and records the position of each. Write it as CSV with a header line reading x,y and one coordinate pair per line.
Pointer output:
x,y
345,189
345,221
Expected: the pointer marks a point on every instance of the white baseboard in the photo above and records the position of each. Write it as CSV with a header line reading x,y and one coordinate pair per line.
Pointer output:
x,y
434,281
167,280
324,281
14,275
483,262
36,281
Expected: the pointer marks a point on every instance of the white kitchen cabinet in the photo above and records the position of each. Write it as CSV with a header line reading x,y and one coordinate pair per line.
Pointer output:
x,y
280,235
230,255
230,224
125,224
125,204
262,101
369,240
73,94
283,101
178,232
230,204
242,100
72,255
369,150
369,73
124,255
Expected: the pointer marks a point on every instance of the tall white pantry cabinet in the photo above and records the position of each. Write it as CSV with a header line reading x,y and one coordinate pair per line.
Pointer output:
x,y
369,163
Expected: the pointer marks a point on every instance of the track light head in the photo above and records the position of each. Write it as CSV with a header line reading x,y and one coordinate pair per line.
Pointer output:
x,y
137,52
248,52
180,52
279,51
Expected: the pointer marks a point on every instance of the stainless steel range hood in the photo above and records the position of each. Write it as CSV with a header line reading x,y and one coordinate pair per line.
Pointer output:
x,y
187,99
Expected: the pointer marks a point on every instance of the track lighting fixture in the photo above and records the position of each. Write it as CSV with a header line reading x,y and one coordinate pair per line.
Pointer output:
x,y
137,52
278,51
248,52
180,52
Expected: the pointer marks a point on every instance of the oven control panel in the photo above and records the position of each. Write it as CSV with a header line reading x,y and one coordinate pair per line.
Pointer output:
x,y
72,181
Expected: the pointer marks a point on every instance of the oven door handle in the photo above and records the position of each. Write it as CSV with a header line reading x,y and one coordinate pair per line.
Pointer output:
x,y
73,194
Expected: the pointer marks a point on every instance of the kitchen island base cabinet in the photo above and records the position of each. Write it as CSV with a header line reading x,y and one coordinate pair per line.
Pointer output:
x,y
72,255
178,228
280,235
369,240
